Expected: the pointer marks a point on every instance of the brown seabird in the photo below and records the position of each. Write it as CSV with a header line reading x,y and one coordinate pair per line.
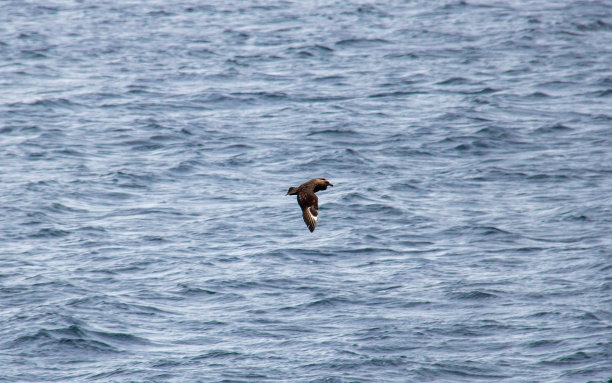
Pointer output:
x,y
308,201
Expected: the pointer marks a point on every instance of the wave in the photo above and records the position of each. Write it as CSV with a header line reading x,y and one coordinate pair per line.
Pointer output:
x,y
75,338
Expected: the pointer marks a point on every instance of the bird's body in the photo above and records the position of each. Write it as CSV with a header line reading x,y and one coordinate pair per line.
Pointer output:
x,y
308,200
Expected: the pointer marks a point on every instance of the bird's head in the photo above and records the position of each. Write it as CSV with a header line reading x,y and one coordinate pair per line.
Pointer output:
x,y
292,191
322,184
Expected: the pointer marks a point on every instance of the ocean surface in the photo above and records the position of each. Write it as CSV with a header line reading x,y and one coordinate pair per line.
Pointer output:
x,y
146,148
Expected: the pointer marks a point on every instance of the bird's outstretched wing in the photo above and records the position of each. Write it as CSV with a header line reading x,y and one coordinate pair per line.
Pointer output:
x,y
310,215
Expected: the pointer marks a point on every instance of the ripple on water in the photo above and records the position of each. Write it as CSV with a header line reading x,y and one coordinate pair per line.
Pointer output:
x,y
74,338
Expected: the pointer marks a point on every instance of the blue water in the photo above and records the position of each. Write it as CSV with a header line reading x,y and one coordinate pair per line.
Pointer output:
x,y
147,146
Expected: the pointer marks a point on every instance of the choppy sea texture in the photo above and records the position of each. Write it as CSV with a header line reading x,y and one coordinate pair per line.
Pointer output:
x,y
146,147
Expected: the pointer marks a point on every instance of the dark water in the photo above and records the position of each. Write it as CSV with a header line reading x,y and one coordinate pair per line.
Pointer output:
x,y
146,148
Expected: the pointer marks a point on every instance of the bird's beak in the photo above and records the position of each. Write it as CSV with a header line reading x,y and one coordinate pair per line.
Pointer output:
x,y
332,185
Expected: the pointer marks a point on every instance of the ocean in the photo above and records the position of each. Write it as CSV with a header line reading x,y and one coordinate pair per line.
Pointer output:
x,y
146,148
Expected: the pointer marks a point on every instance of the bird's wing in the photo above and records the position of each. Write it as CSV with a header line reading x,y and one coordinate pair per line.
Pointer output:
x,y
310,215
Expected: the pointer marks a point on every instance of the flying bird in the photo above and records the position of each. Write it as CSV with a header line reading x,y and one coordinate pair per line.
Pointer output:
x,y
308,201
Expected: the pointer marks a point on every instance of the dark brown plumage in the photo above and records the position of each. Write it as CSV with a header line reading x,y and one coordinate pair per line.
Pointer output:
x,y
308,201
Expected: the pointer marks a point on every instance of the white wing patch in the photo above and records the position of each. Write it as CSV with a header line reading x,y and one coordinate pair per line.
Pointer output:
x,y
312,216
310,219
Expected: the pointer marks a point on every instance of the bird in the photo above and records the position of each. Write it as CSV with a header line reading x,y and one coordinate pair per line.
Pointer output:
x,y
308,200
